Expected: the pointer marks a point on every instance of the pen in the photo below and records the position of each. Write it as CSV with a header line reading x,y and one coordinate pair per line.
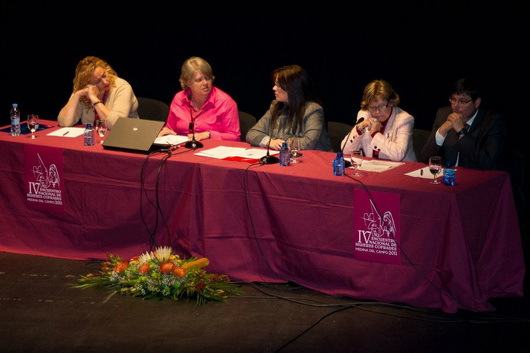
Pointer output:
x,y
66,133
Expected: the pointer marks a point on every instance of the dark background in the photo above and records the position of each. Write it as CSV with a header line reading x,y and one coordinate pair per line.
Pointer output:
x,y
421,48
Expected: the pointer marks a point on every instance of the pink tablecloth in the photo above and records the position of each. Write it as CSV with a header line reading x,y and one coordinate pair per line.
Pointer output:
x,y
460,245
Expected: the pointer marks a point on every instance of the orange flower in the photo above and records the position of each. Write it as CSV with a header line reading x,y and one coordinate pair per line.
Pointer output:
x,y
122,266
200,263
167,267
143,268
179,272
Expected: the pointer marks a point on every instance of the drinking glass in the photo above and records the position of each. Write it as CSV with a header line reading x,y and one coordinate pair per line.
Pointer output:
x,y
356,162
435,166
295,150
33,124
101,128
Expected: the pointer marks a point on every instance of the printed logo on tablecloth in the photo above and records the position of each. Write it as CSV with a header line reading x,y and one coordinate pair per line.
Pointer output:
x,y
43,178
376,226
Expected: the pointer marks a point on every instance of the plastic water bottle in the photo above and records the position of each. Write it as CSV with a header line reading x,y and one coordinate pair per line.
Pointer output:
x,y
449,177
285,155
15,120
89,135
338,164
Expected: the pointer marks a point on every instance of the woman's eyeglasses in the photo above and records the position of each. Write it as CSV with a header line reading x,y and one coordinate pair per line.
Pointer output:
x,y
378,108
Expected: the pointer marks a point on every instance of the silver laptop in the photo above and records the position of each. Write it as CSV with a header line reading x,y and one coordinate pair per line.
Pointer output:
x,y
133,135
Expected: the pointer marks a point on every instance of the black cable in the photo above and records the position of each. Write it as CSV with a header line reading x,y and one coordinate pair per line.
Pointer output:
x,y
158,207
142,191
156,203
311,326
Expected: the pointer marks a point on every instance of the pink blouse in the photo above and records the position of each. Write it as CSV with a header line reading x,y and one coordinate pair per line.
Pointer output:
x,y
219,115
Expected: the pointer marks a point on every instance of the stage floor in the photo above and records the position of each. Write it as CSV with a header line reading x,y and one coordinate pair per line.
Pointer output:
x,y
41,312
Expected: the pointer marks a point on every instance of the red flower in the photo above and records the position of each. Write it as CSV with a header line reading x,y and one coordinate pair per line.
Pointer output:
x,y
122,266
200,286
179,272
143,268
167,267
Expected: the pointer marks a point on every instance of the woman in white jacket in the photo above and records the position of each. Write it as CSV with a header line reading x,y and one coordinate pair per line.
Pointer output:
x,y
382,129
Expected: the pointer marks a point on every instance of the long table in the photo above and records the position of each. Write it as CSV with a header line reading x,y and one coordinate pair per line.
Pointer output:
x,y
460,246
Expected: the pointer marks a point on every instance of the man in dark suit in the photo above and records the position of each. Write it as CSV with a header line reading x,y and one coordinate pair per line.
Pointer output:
x,y
466,134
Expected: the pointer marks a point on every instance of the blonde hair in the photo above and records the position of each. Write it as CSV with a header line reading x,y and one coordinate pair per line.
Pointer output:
x,y
84,71
379,89
191,66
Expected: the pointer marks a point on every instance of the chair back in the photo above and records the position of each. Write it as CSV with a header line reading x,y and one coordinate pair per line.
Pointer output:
x,y
419,137
337,131
152,109
246,122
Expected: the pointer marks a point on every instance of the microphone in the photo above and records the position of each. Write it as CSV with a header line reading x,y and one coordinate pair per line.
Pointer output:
x,y
347,164
268,159
193,144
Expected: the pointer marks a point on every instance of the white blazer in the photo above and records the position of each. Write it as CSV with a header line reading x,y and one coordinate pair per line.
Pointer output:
x,y
395,143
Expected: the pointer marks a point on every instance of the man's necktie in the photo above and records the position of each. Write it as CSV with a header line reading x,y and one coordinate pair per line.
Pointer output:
x,y
464,131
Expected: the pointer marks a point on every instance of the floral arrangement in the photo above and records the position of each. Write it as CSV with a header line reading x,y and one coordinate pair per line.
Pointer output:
x,y
158,274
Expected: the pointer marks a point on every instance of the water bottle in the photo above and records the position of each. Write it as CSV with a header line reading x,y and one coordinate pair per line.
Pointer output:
x,y
89,135
449,175
338,164
285,155
15,120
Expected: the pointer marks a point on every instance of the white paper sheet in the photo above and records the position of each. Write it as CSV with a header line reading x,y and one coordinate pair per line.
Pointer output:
x,y
68,132
221,152
378,165
423,173
171,140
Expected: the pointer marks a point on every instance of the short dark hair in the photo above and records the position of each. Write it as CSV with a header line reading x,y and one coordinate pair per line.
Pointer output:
x,y
469,86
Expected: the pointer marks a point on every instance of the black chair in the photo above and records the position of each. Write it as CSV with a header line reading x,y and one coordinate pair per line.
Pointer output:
x,y
246,121
152,109
337,131
419,137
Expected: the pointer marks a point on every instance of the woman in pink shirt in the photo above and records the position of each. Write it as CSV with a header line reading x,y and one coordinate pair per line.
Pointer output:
x,y
214,113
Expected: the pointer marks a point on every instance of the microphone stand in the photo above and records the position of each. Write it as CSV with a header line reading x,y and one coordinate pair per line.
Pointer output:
x,y
193,144
268,159
347,164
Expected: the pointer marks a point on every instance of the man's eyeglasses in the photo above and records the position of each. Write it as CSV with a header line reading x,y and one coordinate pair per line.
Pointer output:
x,y
379,107
453,100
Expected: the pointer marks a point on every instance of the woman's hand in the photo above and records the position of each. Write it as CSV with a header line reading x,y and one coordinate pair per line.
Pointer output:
x,y
364,125
200,135
166,131
83,92
92,92
375,125
276,144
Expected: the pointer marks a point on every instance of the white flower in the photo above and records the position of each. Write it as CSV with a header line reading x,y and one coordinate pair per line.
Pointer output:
x,y
145,257
163,253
